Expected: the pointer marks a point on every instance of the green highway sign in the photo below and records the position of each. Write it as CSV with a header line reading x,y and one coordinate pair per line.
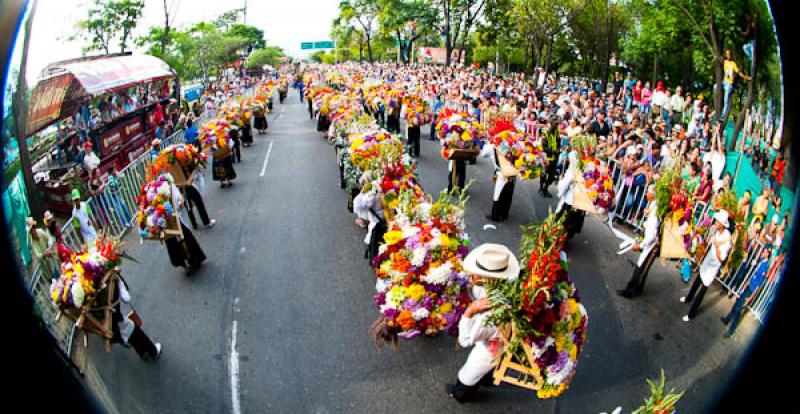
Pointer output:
x,y
323,45
306,45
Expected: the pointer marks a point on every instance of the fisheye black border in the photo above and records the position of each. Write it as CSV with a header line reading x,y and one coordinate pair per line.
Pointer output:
x,y
39,379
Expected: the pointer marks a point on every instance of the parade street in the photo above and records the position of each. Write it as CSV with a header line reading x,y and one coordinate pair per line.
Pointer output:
x,y
278,318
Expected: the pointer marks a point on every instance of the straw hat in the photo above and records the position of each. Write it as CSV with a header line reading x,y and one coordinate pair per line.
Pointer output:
x,y
493,261
722,217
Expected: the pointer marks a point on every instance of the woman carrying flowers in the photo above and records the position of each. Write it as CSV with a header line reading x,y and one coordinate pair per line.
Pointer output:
x,y
488,261
574,221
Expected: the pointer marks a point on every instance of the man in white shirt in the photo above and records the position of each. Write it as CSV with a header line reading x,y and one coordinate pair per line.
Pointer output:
x,y
648,248
488,261
90,159
718,250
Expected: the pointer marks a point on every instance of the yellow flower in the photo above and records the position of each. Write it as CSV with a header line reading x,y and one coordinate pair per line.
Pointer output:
x,y
445,308
445,240
415,291
465,136
393,237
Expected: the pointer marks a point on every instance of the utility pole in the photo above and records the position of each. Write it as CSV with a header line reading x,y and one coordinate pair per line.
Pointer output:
x,y
21,119
245,12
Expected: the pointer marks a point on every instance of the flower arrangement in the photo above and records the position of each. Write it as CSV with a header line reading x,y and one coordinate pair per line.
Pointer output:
x,y
520,150
366,147
544,308
418,111
422,289
597,182
184,156
156,212
457,131
214,134
82,272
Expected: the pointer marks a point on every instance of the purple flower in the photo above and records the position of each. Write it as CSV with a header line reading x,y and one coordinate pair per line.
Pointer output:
x,y
409,334
462,251
561,361
391,313
380,299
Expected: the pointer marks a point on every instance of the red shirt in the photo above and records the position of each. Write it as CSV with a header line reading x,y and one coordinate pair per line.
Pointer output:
x,y
777,171
637,93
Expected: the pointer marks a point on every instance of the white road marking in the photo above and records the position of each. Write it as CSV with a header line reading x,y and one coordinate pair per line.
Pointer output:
x,y
266,159
489,227
233,373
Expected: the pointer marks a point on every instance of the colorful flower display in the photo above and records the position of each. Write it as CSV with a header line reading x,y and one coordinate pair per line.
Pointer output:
x,y
422,289
214,134
183,155
457,130
522,151
417,110
155,207
544,308
82,272
598,183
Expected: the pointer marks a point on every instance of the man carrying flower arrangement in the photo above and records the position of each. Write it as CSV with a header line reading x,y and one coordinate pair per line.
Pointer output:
x,y
488,261
648,248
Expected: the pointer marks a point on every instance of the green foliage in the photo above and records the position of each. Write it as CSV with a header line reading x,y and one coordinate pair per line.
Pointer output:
x,y
109,20
270,55
669,181
659,401
253,35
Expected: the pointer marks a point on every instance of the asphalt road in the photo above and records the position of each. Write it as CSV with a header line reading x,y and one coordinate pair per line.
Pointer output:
x,y
286,283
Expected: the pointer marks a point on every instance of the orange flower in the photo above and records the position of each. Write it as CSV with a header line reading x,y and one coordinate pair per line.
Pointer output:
x,y
405,320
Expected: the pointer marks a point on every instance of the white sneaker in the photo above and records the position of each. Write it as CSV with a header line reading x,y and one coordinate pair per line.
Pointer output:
x,y
686,318
683,299
211,223
158,349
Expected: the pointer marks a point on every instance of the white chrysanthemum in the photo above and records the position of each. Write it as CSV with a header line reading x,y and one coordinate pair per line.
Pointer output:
x,y
558,377
435,239
382,285
418,257
410,231
439,275
420,314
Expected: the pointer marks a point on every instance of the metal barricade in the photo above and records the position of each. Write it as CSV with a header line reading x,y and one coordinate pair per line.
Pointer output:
x,y
113,210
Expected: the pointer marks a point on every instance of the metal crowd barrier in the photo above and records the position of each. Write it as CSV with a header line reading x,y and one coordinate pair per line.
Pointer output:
x,y
114,211
736,281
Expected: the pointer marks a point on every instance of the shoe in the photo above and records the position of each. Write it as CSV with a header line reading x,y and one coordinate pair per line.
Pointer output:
x,y
450,390
490,218
625,294
158,350
211,223
686,318
683,299
726,335
723,320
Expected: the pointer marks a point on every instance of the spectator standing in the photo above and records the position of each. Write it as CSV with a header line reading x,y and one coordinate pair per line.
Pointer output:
x,y
730,69
719,247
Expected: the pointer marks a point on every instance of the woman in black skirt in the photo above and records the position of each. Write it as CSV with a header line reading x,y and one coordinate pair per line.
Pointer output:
x,y
260,120
222,166
237,144
184,251
247,132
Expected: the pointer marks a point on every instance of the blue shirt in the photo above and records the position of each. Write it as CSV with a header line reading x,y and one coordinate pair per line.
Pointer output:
x,y
191,135
758,276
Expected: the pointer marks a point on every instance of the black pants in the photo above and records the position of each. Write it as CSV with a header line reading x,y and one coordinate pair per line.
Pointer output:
x,y
237,150
547,178
310,110
695,296
457,176
413,141
433,129
636,284
502,206
463,392
193,198
142,344
393,123
574,221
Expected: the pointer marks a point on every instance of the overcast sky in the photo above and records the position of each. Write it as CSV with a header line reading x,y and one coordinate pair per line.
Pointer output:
x,y
285,23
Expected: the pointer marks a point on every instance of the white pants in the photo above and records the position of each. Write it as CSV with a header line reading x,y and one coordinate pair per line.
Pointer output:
x,y
479,363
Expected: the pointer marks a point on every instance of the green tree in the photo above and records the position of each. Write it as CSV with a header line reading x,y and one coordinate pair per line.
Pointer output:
x,y
109,20
270,55
405,22
454,21
253,35
362,14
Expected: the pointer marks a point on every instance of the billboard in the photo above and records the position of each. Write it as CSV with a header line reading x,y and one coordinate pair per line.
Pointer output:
x,y
437,55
